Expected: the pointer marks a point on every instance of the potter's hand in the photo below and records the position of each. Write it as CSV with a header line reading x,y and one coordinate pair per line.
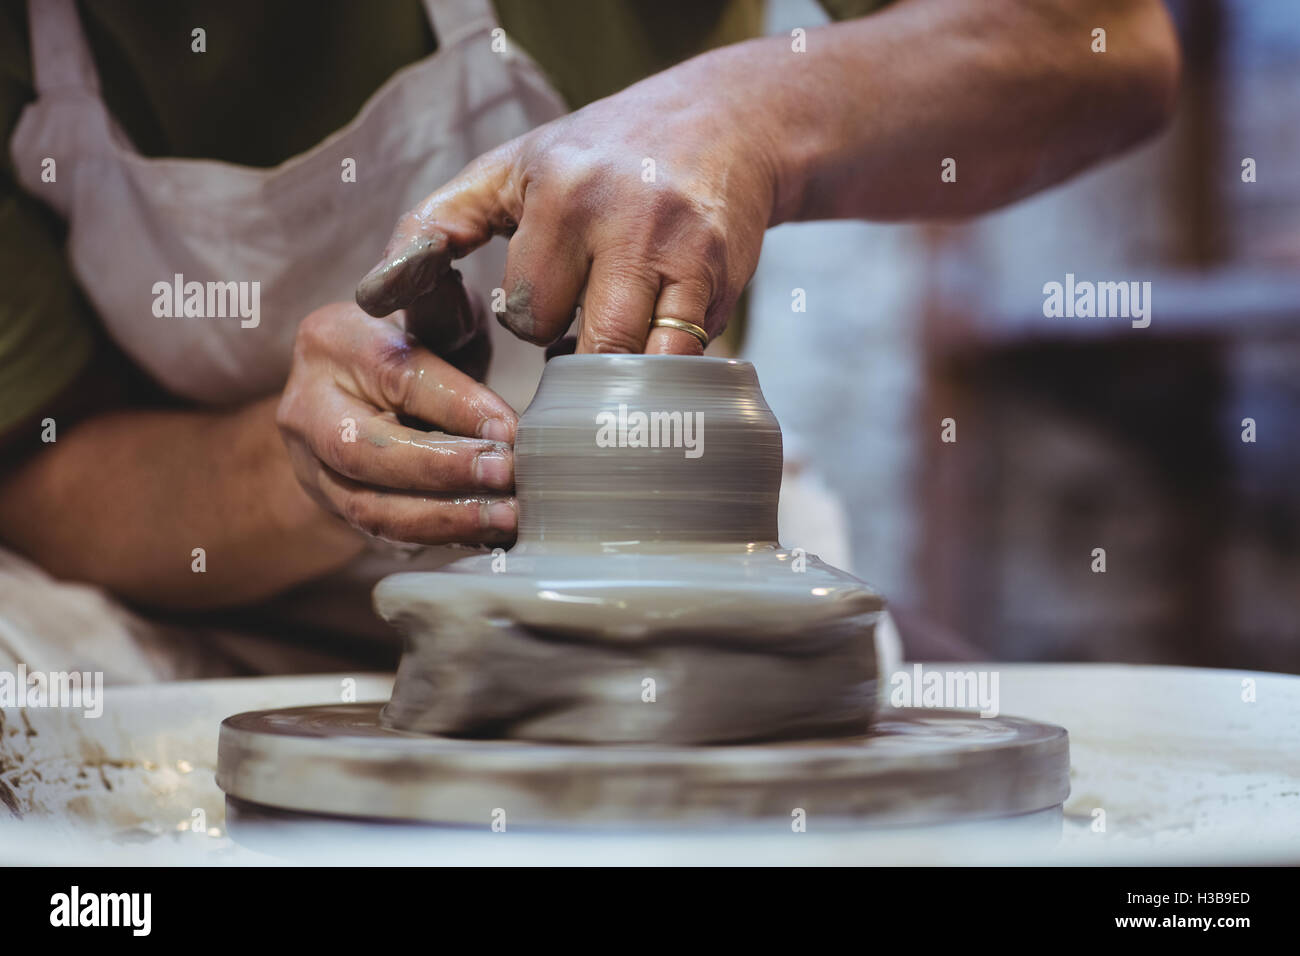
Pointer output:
x,y
648,203
355,383
654,200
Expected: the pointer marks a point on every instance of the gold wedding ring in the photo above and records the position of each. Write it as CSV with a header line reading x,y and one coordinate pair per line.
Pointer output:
x,y
690,328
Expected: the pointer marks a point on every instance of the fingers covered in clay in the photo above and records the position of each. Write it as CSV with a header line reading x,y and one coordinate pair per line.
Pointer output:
x,y
392,438
378,450
607,208
546,270
419,519
449,224
387,368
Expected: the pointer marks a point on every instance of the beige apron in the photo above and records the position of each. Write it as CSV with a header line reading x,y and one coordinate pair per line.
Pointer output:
x,y
298,230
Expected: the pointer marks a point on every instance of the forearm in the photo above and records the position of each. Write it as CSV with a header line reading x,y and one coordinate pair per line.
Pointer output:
x,y
123,499
860,124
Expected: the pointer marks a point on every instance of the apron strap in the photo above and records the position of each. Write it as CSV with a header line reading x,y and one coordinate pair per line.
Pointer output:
x,y
61,58
453,20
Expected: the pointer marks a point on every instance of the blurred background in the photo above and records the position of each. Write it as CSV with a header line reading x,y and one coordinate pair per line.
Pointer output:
x,y
1073,433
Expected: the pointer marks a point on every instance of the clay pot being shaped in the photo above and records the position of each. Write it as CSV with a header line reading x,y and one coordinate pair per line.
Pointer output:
x,y
647,598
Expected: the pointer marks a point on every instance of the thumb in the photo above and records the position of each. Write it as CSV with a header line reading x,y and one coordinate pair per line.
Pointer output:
x,y
450,223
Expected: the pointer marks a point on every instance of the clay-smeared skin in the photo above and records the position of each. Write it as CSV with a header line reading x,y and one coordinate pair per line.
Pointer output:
x,y
636,563
586,227
417,367
756,134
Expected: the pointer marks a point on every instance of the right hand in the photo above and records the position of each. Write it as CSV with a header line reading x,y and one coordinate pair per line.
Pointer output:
x,y
354,384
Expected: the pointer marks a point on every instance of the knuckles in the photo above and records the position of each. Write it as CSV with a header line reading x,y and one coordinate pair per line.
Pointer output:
x,y
678,226
389,360
314,331
369,513
349,457
709,241
364,513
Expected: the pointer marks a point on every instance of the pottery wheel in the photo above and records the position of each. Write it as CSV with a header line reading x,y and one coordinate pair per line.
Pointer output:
x,y
647,654
916,766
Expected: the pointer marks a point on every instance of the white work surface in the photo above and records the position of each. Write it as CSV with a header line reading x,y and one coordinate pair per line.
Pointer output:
x,y
1184,769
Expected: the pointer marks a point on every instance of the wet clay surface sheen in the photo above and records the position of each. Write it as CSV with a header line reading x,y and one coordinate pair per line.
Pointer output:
x,y
633,451
647,599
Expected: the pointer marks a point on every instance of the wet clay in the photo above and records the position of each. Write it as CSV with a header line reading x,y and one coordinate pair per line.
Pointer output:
x,y
647,598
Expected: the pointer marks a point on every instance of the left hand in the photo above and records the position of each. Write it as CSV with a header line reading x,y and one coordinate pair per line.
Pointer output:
x,y
356,386
652,202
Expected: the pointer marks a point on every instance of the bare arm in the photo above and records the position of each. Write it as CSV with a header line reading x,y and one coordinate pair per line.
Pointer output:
x,y
1011,89
273,492
654,200
123,498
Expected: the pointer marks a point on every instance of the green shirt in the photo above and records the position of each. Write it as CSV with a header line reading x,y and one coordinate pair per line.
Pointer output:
x,y
273,83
